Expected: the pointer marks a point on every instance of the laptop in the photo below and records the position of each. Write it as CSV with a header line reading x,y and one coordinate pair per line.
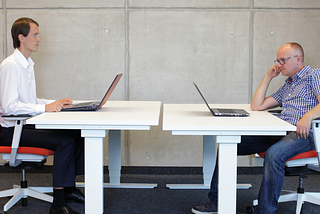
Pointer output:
x,y
222,111
95,105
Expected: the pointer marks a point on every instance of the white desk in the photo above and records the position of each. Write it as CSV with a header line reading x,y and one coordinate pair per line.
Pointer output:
x,y
195,119
94,126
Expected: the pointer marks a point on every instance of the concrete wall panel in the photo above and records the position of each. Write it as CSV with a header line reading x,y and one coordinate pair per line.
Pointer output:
x,y
286,4
63,3
169,50
80,52
270,32
159,148
190,3
225,46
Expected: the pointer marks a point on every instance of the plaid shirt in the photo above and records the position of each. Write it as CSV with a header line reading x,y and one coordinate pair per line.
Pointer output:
x,y
299,95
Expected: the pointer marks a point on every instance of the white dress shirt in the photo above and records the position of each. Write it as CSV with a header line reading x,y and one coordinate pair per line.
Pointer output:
x,y
18,88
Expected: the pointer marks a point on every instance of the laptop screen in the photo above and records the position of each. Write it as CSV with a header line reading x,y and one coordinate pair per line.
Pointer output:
x,y
110,90
202,96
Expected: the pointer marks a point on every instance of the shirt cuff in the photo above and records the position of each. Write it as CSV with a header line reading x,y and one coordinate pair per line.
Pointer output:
x,y
40,108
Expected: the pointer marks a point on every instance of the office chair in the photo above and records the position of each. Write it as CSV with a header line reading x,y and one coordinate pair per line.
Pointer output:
x,y
24,158
300,165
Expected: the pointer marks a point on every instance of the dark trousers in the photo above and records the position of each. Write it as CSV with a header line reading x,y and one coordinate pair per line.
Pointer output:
x,y
67,144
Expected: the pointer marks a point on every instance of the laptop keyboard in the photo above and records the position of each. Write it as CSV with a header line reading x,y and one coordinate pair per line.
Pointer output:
x,y
221,110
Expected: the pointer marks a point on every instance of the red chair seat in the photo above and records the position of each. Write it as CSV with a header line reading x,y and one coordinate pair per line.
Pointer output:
x,y
308,154
27,150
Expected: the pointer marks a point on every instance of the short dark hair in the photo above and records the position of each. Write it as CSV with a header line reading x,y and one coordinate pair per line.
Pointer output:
x,y
21,26
298,48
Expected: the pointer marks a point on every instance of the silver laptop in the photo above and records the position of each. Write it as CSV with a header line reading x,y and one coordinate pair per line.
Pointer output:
x,y
93,106
222,111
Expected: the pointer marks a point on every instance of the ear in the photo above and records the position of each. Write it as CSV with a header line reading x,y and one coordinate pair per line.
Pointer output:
x,y
299,59
21,37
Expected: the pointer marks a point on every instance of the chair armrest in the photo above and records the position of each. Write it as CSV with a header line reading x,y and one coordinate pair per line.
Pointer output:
x,y
276,112
12,117
317,120
16,136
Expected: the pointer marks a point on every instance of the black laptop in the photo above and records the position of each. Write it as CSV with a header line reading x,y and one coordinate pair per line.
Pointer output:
x,y
223,111
93,106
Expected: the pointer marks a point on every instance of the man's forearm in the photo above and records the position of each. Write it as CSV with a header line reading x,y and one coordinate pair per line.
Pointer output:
x,y
257,102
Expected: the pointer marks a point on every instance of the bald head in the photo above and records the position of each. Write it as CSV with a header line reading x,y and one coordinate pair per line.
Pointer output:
x,y
294,49
290,57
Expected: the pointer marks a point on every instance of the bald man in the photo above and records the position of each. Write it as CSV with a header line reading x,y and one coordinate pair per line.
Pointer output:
x,y
299,97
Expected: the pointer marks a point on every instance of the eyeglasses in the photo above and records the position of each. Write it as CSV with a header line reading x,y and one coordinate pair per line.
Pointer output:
x,y
284,60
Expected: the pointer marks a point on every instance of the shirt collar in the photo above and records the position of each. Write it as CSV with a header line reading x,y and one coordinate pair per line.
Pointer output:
x,y
299,74
24,62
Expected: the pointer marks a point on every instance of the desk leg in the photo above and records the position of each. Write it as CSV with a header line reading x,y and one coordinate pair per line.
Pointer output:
x,y
209,159
94,170
209,162
114,157
115,164
227,173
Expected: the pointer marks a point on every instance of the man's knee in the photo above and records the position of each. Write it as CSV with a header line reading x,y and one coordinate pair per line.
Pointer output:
x,y
274,157
66,143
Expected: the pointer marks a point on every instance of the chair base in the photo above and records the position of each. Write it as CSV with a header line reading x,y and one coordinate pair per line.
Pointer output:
x,y
18,193
286,196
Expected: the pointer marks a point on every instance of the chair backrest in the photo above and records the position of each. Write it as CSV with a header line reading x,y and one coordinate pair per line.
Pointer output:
x,y
316,137
15,154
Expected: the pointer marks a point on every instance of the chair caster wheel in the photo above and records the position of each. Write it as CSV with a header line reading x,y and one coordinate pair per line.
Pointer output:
x,y
250,209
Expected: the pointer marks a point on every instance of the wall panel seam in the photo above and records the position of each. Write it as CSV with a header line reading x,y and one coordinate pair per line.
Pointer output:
x,y
130,9
5,45
127,68
251,54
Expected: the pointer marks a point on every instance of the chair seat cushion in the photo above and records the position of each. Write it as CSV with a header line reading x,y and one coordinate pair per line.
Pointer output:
x,y
27,150
308,154
26,154
302,159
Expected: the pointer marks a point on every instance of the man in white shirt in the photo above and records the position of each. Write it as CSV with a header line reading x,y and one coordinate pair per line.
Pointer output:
x,y
18,96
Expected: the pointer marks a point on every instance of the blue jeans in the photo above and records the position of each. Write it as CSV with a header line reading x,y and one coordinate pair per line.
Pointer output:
x,y
278,150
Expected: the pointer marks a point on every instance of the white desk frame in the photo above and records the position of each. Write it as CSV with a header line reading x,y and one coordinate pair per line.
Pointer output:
x,y
195,119
113,117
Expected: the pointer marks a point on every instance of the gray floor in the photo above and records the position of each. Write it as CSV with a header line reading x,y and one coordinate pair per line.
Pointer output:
x,y
158,200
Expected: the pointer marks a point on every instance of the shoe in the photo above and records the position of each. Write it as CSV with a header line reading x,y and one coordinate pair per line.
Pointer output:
x,y
208,208
63,210
76,196
251,209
